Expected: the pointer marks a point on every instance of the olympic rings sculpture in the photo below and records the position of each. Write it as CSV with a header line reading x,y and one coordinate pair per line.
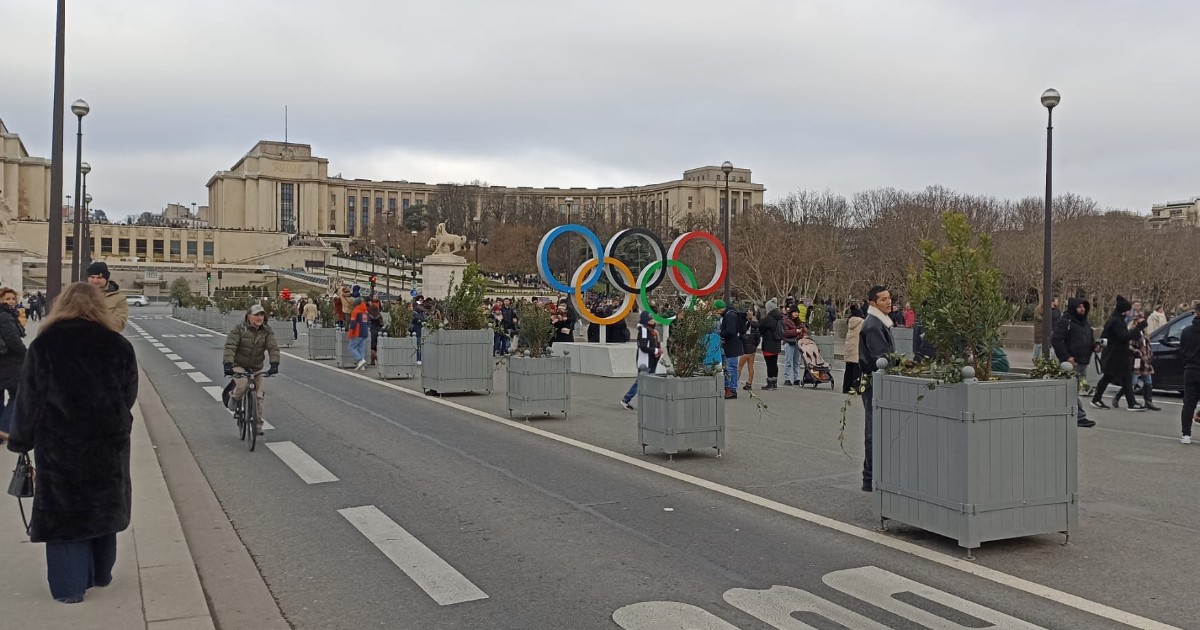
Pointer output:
x,y
666,265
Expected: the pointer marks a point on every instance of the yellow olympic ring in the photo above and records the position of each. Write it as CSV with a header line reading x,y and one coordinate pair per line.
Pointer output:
x,y
582,308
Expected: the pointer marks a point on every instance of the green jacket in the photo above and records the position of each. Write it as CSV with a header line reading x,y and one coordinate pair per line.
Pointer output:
x,y
244,346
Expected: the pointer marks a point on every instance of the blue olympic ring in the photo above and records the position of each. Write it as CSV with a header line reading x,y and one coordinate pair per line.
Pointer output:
x,y
589,237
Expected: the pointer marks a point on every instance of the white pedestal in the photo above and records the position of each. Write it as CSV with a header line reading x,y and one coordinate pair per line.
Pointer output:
x,y
598,359
11,272
436,271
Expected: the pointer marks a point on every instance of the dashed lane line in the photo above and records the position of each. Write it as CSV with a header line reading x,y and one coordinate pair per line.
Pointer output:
x,y
184,365
301,463
199,377
215,391
174,357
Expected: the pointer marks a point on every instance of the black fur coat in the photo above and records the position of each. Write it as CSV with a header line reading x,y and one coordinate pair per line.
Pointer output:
x,y
74,398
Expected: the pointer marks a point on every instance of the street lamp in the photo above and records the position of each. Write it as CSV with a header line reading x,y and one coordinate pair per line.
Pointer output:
x,y
1050,99
727,168
80,108
85,244
372,261
570,241
54,232
413,256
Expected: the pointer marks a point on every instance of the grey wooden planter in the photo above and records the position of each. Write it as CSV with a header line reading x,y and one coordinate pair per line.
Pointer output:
x,y
456,361
322,342
677,414
976,461
396,357
341,351
539,386
825,345
904,340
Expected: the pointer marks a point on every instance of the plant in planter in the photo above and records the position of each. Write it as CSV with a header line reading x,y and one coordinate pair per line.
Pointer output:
x,y
457,354
323,338
685,408
538,383
397,350
940,433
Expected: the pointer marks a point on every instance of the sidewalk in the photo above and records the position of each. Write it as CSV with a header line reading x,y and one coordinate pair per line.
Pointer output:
x,y
155,584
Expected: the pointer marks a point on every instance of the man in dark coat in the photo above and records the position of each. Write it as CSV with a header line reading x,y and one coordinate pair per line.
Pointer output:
x,y
731,345
1189,355
770,328
1074,342
874,342
1116,361
78,388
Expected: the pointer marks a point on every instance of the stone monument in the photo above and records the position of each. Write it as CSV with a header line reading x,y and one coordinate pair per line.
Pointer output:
x,y
438,267
11,252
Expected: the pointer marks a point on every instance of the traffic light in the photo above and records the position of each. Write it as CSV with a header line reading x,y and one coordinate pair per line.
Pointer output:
x,y
210,276
286,294
372,282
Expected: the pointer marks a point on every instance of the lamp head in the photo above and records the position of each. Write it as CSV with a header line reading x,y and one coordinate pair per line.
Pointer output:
x,y
87,198
85,168
80,108
1050,98
727,167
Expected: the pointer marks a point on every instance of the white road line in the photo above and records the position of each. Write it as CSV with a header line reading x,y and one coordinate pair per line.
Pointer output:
x,y
267,426
174,357
165,350
167,336
184,365
993,575
301,463
199,377
215,391
204,335
428,570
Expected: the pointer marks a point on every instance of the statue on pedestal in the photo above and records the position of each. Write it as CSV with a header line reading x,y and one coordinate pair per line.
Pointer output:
x,y
444,242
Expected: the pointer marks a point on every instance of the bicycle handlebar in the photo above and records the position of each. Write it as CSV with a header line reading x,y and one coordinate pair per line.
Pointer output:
x,y
262,373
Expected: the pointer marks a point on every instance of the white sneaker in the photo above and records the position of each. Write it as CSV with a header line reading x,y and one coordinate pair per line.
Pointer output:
x,y
1187,439
361,364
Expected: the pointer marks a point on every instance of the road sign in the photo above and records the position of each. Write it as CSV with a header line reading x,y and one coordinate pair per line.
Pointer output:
x,y
412,293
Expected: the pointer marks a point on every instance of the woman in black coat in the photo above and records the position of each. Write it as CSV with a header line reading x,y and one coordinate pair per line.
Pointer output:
x,y
12,354
770,329
73,407
1116,361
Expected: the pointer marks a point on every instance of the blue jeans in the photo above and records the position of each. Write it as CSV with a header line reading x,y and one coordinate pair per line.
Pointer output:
x,y
731,373
72,568
633,389
357,348
791,362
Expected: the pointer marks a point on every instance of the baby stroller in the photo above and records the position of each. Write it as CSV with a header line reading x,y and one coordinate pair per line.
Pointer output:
x,y
816,371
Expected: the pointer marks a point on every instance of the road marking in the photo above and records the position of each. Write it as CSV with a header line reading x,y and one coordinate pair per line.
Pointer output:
x,y
992,575
167,336
184,365
267,426
174,357
204,335
215,391
165,350
428,570
301,463
199,377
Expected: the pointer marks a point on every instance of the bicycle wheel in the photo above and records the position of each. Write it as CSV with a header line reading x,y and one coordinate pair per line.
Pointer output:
x,y
240,414
251,417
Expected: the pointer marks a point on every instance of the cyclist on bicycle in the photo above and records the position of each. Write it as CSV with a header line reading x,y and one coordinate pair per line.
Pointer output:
x,y
244,348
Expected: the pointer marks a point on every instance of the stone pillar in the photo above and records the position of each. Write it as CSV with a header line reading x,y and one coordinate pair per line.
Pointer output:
x,y
436,272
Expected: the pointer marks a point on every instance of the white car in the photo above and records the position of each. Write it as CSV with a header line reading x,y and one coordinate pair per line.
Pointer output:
x,y
137,300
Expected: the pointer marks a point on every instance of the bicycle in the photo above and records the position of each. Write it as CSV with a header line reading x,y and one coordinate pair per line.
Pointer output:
x,y
246,412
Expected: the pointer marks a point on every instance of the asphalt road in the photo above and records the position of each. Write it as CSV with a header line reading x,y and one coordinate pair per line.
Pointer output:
x,y
496,527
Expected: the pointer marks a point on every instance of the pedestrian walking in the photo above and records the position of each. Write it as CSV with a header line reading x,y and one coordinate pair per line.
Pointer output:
x,y
12,357
358,331
310,313
114,299
1074,342
874,342
1189,354
649,351
375,321
791,349
1116,360
1143,368
1157,319
750,340
771,330
854,324
731,345
77,390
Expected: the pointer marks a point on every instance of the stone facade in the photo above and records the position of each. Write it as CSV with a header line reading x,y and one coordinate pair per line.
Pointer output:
x,y
24,180
1184,213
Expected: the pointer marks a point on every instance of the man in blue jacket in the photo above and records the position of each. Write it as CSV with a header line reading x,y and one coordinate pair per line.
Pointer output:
x,y
874,342
731,345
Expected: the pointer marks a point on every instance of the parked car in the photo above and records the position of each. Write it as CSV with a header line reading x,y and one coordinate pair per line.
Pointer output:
x,y
1164,345
137,300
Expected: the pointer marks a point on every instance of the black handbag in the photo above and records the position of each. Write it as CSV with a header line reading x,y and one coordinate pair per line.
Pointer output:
x,y
21,485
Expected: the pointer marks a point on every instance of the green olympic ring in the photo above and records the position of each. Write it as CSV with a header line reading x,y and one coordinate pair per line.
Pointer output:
x,y
644,298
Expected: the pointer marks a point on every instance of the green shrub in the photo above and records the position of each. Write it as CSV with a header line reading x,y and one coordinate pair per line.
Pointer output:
x,y
536,329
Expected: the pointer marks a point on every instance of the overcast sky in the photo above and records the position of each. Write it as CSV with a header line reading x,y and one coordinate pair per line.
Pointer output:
x,y
844,94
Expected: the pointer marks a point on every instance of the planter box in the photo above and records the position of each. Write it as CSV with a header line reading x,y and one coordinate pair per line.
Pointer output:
x,y
904,340
539,386
396,357
976,461
322,343
341,351
825,345
456,361
678,414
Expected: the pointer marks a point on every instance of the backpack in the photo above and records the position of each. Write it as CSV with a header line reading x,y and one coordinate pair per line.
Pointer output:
x,y
743,323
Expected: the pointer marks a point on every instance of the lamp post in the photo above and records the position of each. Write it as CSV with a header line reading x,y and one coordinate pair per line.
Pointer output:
x,y
54,233
85,228
727,168
80,108
1050,99
413,255
372,261
570,242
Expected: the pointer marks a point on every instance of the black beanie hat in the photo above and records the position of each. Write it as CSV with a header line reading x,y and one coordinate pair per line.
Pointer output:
x,y
98,268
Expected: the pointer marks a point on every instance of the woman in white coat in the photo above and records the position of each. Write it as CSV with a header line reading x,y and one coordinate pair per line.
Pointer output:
x,y
853,371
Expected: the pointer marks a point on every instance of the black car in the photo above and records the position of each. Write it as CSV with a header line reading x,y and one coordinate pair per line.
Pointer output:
x,y
1164,345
